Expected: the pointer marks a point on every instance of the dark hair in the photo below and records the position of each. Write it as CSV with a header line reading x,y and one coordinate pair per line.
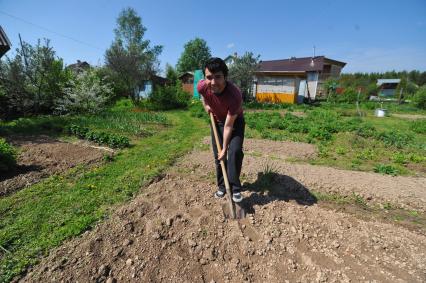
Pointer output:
x,y
215,65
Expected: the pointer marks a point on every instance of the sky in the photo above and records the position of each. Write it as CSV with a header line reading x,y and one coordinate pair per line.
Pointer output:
x,y
370,36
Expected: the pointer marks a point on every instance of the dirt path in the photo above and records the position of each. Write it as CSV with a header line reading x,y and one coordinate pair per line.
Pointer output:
x,y
174,231
42,156
409,116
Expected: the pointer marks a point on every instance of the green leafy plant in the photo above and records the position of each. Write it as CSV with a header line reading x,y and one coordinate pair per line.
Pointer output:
x,y
7,156
419,98
385,169
399,158
395,138
418,126
112,140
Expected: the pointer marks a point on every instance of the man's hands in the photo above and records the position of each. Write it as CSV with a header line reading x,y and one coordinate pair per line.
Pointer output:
x,y
222,154
227,133
208,109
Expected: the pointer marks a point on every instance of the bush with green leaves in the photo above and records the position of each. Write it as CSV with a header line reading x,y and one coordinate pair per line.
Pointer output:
x,y
350,95
7,156
87,93
419,98
168,97
112,140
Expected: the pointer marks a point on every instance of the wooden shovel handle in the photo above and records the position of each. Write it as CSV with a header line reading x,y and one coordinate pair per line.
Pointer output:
x,y
222,164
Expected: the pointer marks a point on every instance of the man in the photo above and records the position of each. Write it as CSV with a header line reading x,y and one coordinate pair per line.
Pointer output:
x,y
224,100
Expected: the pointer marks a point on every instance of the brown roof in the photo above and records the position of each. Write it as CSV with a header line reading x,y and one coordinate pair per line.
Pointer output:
x,y
4,42
296,65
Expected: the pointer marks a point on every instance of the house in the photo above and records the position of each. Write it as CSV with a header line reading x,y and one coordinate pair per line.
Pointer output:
x,y
230,59
187,80
387,87
79,66
148,86
190,80
4,42
294,79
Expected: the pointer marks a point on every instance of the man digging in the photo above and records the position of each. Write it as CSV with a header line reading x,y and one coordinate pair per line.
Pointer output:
x,y
224,100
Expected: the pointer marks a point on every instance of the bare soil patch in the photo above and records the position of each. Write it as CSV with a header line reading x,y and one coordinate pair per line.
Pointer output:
x,y
42,156
174,231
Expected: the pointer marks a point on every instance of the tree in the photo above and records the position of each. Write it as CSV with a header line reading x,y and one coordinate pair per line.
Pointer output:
x,y
130,57
31,81
87,94
171,74
194,56
241,72
419,98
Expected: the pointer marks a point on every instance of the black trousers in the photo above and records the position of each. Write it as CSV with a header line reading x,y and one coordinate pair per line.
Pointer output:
x,y
235,155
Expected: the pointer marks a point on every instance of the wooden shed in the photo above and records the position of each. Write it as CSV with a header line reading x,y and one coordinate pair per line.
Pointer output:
x,y
187,80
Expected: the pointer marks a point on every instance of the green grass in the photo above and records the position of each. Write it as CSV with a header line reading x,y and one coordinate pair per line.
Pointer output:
x,y
122,119
388,145
40,217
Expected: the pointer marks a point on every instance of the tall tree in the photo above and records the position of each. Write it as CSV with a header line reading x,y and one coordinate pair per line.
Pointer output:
x,y
130,57
171,74
241,72
31,81
195,54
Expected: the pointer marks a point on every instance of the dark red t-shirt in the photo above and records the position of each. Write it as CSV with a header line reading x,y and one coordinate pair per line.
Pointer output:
x,y
229,101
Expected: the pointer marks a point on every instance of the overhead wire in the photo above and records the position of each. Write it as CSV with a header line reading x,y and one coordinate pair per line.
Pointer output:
x,y
51,31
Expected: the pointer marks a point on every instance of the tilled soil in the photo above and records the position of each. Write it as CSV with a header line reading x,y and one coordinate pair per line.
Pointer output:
x,y
175,231
42,156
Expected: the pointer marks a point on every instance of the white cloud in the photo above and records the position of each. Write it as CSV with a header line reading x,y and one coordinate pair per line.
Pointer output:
x,y
230,45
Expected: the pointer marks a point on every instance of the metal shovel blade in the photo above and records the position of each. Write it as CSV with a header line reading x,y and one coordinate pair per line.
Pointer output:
x,y
240,212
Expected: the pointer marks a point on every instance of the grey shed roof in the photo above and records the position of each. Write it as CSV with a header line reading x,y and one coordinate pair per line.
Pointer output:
x,y
4,42
387,81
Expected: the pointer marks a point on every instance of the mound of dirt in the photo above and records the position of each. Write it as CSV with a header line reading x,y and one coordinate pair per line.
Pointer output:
x,y
175,231
42,156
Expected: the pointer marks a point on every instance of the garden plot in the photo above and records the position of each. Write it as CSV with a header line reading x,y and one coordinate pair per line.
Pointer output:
x,y
42,156
175,231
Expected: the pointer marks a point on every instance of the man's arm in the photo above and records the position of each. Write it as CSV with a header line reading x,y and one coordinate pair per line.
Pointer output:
x,y
227,133
206,107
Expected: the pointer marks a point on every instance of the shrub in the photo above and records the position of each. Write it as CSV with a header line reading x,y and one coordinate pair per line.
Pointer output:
x,y
349,95
419,98
168,97
87,94
7,156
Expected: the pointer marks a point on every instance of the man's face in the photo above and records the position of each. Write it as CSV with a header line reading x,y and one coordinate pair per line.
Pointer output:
x,y
216,81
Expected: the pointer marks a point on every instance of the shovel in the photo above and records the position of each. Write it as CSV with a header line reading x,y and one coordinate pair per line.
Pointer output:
x,y
232,210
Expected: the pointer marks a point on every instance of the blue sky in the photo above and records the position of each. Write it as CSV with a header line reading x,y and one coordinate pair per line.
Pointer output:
x,y
369,36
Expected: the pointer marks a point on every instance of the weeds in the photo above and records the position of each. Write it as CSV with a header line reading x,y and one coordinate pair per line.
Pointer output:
x,y
385,169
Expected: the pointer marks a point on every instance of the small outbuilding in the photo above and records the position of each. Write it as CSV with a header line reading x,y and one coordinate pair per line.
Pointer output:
x,y
387,87
294,79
